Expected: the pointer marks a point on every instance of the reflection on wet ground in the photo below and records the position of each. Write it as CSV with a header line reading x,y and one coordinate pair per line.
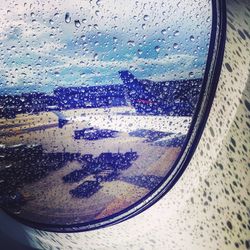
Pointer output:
x,y
83,169
22,164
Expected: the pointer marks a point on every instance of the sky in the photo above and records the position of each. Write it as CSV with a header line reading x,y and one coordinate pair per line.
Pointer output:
x,y
45,44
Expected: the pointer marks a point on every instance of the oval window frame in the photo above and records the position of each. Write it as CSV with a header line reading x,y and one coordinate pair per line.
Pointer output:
x,y
209,86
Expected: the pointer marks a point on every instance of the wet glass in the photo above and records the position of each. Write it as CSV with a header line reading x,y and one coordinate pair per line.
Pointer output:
x,y
96,101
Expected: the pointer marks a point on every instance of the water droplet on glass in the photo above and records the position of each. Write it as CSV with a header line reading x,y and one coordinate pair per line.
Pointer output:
x,y
98,2
176,33
157,49
67,18
13,196
77,23
175,45
191,38
146,17
164,32
131,43
17,211
191,74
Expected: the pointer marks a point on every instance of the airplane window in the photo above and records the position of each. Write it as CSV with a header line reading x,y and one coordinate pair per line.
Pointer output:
x,y
98,104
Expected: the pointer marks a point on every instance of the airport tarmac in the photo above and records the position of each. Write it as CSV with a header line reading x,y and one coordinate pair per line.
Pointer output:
x,y
49,198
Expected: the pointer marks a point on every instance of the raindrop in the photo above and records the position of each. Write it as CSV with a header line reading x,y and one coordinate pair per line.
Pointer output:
x,y
146,17
191,74
176,33
98,2
13,196
77,23
157,49
67,18
164,32
175,45
131,43
191,38
17,212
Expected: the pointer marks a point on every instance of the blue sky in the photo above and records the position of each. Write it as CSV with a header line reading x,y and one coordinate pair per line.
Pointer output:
x,y
158,40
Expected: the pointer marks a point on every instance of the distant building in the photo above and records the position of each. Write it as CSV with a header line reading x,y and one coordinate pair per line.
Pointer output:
x,y
175,98
90,96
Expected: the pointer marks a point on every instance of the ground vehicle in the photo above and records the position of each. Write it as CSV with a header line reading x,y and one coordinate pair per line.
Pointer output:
x,y
93,134
86,189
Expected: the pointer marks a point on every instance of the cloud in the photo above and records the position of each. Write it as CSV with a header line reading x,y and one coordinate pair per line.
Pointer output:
x,y
145,17
48,47
39,46
82,70
89,62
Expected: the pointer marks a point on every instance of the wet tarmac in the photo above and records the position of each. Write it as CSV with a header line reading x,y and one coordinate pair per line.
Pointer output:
x,y
48,175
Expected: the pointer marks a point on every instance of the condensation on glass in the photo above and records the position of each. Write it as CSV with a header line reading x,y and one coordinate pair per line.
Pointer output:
x,y
96,100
